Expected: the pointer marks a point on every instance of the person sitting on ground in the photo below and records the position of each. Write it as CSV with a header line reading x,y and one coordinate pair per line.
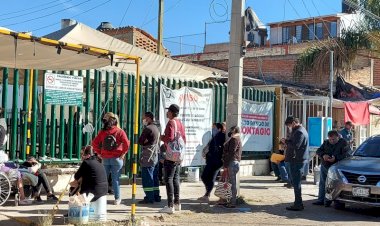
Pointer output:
x,y
91,175
34,167
214,161
278,163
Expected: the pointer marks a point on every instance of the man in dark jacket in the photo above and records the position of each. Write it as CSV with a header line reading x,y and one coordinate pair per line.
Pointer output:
x,y
213,161
331,151
295,155
149,141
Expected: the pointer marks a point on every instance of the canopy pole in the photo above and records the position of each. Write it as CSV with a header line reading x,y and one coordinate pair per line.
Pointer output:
x,y
135,145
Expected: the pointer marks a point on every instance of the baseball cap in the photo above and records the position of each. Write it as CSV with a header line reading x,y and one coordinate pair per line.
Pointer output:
x,y
173,108
109,115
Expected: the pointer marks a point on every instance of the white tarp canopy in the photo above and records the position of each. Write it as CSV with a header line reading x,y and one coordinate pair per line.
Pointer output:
x,y
151,63
24,53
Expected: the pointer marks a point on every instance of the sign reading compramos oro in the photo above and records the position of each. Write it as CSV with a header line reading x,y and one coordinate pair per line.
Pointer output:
x,y
63,89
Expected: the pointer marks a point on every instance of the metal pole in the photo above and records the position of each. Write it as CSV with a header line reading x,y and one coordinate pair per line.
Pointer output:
x,y
135,144
160,26
235,68
331,81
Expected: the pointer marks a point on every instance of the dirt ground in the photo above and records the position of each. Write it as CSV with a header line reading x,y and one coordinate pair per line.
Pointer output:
x,y
265,205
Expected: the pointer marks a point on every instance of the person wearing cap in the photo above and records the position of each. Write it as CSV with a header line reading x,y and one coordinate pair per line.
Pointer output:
x,y
172,169
296,153
149,141
112,159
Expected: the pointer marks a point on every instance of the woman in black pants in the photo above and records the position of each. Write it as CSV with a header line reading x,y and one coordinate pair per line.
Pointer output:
x,y
213,160
34,167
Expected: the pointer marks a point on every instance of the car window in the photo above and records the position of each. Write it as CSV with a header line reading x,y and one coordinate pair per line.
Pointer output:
x,y
369,148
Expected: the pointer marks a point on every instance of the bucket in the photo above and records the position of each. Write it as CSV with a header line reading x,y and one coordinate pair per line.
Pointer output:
x,y
193,174
317,174
78,214
98,209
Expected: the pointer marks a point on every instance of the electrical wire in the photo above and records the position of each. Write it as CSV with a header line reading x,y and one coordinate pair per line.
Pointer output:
x,y
147,12
165,11
79,14
23,10
212,6
39,10
46,15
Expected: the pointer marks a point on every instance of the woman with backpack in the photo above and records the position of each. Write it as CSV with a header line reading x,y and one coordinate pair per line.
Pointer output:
x,y
111,144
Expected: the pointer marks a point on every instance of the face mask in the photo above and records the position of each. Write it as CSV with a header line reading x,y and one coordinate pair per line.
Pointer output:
x,y
145,123
214,131
229,134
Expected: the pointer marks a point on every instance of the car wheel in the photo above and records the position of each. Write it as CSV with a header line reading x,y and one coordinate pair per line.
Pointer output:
x,y
339,205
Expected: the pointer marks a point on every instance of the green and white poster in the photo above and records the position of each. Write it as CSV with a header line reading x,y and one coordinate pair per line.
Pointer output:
x,y
63,89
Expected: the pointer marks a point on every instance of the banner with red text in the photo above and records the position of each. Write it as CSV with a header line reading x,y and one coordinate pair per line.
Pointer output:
x,y
257,126
195,114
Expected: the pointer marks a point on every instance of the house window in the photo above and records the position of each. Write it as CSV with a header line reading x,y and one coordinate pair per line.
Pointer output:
x,y
319,31
299,33
285,34
333,29
311,31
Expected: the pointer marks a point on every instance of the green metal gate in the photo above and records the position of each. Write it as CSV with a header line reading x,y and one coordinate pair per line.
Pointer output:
x,y
54,133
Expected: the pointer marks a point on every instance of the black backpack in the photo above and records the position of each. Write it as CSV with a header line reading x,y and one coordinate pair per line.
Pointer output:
x,y
110,142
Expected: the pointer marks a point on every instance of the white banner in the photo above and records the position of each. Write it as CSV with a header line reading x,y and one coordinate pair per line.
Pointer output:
x,y
257,126
195,114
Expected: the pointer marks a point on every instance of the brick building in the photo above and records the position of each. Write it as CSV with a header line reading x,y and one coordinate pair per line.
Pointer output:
x,y
134,36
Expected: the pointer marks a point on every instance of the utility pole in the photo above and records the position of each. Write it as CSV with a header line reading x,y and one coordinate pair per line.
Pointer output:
x,y
331,82
160,26
235,68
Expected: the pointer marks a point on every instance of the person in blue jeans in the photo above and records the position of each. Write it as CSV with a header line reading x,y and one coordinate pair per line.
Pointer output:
x,y
279,168
332,150
231,161
111,144
149,141
295,155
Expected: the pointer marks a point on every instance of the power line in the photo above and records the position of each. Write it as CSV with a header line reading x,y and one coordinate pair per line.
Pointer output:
x,y
46,15
185,44
170,8
79,14
23,10
148,12
189,35
39,10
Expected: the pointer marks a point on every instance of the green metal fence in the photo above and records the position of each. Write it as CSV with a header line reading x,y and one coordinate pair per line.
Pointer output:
x,y
56,131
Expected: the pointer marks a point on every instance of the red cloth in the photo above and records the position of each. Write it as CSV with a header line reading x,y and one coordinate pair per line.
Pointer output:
x,y
170,131
121,140
357,112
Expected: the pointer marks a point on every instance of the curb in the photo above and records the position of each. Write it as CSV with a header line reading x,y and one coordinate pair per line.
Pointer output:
x,y
21,220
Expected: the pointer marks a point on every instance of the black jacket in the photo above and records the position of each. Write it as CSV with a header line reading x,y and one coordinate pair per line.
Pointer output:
x,y
94,178
340,150
215,150
297,149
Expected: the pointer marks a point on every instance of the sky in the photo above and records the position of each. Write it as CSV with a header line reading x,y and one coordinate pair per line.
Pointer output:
x,y
186,18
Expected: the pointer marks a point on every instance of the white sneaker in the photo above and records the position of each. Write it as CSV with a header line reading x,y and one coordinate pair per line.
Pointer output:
x,y
177,207
167,209
117,202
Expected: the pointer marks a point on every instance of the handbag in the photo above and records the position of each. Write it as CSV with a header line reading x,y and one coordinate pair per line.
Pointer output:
x,y
276,158
223,188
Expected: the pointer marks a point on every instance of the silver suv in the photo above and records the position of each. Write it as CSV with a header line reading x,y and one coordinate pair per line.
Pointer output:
x,y
356,179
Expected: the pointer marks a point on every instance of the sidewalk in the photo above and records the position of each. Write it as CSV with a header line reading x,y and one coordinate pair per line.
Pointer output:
x,y
266,202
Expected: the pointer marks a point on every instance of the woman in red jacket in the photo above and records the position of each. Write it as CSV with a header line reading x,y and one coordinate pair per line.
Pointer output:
x,y
111,144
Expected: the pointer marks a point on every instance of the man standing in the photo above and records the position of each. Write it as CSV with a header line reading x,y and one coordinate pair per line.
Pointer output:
x,y
149,140
331,151
346,133
296,153
174,127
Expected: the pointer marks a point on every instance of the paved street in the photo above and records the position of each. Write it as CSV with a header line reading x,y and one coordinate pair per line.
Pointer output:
x,y
266,202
